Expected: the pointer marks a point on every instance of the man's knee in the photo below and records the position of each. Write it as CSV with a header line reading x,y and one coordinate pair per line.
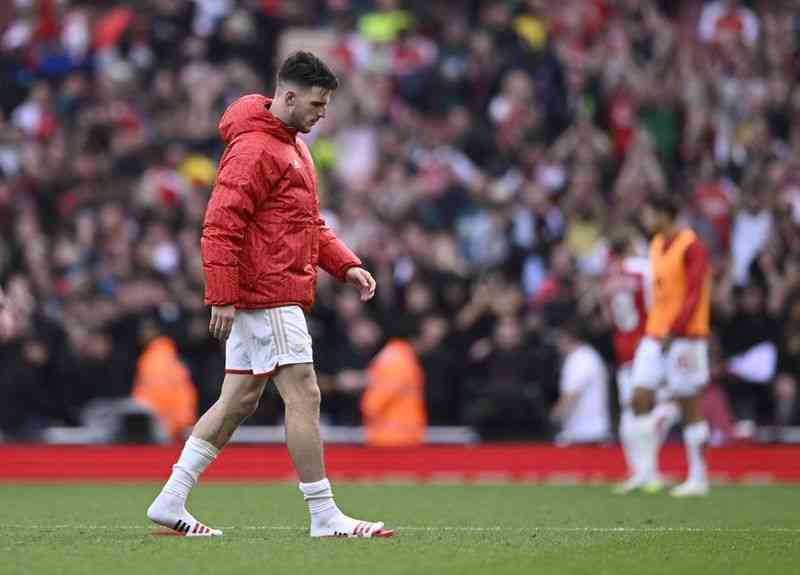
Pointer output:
x,y
690,408
248,403
298,387
308,394
241,396
642,401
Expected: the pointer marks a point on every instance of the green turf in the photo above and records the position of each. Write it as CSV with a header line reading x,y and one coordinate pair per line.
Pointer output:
x,y
81,529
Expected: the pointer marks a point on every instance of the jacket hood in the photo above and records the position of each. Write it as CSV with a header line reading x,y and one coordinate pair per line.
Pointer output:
x,y
251,114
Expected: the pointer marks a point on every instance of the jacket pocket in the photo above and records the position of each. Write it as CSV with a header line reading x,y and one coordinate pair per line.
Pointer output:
x,y
276,250
295,255
305,263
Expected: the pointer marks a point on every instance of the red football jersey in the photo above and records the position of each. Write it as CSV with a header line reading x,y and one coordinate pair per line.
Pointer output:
x,y
626,290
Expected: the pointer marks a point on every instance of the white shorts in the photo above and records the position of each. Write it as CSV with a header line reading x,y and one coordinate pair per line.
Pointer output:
x,y
684,368
262,340
625,387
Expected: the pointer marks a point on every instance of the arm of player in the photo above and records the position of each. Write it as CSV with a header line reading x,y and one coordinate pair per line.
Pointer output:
x,y
229,210
362,280
335,257
696,262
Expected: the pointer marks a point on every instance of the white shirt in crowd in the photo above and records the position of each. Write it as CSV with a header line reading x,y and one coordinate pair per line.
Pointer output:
x,y
716,13
585,373
750,235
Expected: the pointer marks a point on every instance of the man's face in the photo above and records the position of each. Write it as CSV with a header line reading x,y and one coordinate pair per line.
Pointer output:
x,y
752,299
653,220
561,341
752,203
308,106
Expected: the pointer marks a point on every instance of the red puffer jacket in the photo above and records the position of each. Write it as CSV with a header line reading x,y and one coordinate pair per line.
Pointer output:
x,y
262,235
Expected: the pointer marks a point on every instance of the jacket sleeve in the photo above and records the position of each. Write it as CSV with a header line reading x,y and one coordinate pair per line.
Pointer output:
x,y
334,257
229,211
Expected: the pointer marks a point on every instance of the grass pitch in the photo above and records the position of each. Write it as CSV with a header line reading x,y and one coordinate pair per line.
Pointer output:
x,y
442,529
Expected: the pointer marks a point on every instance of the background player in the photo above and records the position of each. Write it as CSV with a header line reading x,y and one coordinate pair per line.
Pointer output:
x,y
626,299
675,346
262,240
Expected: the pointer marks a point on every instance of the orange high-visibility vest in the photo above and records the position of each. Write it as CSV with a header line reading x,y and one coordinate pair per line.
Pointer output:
x,y
164,385
669,288
393,405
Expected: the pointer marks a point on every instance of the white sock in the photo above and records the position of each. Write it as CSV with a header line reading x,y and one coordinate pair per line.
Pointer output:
x,y
645,442
319,496
666,415
695,437
197,454
628,441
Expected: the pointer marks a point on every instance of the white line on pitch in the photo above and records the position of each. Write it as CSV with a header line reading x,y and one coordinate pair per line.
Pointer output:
x,y
496,528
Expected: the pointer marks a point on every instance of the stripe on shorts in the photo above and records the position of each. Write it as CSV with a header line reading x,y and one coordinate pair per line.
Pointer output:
x,y
278,331
271,320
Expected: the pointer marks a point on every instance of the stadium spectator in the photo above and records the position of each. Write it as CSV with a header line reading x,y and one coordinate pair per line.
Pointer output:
x,y
164,386
504,391
393,404
469,140
582,410
728,21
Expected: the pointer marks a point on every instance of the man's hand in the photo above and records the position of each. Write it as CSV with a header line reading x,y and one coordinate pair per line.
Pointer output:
x,y
221,321
363,280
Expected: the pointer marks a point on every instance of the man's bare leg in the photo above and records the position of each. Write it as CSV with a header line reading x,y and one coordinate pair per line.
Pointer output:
x,y
642,437
237,401
297,385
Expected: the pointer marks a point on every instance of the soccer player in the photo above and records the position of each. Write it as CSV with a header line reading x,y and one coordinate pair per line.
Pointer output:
x,y
262,241
675,346
626,299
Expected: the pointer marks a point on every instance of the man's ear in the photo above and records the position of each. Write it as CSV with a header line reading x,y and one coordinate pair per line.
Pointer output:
x,y
290,97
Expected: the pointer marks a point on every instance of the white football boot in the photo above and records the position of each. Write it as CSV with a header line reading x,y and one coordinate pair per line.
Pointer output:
x,y
639,485
343,526
169,512
690,488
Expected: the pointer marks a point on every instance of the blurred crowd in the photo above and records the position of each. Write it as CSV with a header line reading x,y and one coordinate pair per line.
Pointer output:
x,y
476,157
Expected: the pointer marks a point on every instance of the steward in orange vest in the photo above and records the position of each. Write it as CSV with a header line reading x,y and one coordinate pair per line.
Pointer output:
x,y
393,405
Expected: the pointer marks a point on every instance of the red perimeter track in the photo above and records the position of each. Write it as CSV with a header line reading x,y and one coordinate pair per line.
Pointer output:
x,y
516,462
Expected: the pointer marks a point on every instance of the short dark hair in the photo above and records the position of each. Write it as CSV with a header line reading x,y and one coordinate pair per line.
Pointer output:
x,y
665,204
570,325
620,239
306,70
